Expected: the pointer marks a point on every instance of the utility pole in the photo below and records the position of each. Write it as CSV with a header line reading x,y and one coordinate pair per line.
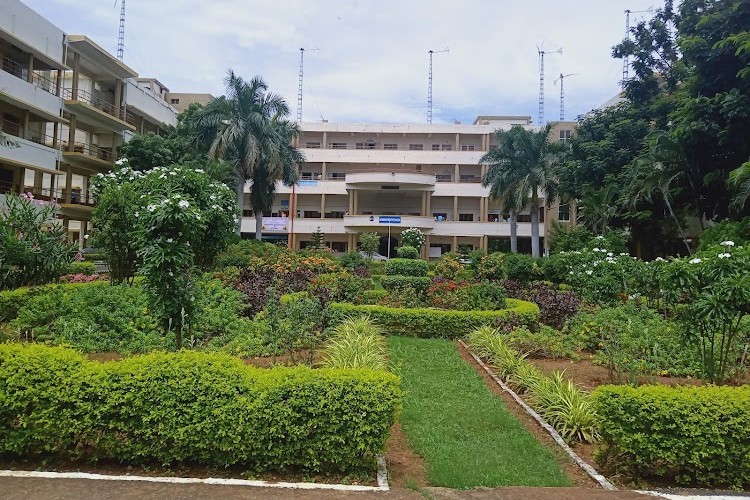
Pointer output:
x,y
561,79
301,74
429,83
541,53
121,33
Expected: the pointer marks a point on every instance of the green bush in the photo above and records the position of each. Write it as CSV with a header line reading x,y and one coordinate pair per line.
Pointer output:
x,y
338,287
356,343
546,343
84,267
377,267
406,267
241,254
372,297
395,283
448,267
491,267
736,231
483,296
188,406
407,252
696,436
351,260
428,323
521,267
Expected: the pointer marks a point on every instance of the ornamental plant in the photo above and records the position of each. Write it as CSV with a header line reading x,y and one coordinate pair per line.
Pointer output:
x,y
33,247
412,237
369,243
711,292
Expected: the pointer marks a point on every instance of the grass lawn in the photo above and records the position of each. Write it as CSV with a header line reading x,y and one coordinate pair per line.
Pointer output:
x,y
464,432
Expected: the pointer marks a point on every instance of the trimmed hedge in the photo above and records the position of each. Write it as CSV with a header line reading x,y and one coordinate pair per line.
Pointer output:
x,y
406,267
393,283
429,323
698,436
373,297
84,267
191,406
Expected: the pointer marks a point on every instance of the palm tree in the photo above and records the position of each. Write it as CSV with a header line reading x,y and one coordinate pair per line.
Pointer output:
x,y
597,208
739,181
520,168
248,128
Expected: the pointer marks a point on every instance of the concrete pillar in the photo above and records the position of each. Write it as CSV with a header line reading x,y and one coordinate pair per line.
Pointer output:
x,y
118,99
323,173
428,199
38,179
55,133
25,125
21,179
58,82
325,142
455,208
323,206
30,76
423,210
457,174
351,202
71,132
454,247
458,143
356,202
52,193
81,234
426,248
76,75
68,185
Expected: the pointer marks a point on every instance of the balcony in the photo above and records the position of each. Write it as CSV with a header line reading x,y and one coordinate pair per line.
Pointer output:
x,y
88,156
37,95
150,105
395,179
95,110
384,221
31,152
344,153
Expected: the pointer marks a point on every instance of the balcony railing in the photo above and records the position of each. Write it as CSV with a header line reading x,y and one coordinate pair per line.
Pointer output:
x,y
77,196
22,72
99,103
470,179
89,150
16,130
443,178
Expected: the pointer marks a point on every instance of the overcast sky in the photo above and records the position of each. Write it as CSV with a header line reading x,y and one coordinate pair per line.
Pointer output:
x,y
372,61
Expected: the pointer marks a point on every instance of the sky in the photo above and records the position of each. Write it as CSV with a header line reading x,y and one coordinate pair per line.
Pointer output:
x,y
372,59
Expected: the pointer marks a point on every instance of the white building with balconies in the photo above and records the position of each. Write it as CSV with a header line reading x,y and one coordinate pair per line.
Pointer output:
x,y
385,178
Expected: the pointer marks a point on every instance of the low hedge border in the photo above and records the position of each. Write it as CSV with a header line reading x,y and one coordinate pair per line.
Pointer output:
x,y
426,322
392,283
190,406
13,300
697,436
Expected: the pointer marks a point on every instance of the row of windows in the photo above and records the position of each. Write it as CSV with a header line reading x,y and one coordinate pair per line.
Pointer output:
x,y
563,215
388,146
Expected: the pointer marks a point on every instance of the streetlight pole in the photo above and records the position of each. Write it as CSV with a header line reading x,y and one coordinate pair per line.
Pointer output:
x,y
292,213
389,241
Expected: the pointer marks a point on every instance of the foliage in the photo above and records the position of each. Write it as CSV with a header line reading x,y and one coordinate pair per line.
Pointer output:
x,y
317,240
425,323
56,403
240,254
294,328
522,166
403,285
352,260
368,297
406,267
356,343
547,343
451,418
412,237
492,267
696,436
464,296
713,292
79,278
407,252
556,307
369,243
448,267
521,267
80,267
562,404
567,237
33,248
736,231
337,287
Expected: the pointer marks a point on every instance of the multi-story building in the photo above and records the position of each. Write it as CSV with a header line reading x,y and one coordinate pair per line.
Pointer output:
x,y
386,178
181,101
68,105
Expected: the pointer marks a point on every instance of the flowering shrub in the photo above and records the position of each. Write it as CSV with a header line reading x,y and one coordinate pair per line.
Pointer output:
x,y
463,296
711,292
412,237
492,267
33,247
79,278
448,267
337,287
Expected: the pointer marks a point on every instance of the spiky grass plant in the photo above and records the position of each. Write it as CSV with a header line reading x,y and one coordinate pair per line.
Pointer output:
x,y
356,343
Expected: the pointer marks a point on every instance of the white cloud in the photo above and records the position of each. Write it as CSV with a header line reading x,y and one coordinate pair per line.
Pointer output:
x,y
372,62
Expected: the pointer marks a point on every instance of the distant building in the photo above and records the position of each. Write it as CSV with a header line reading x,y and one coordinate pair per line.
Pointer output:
x,y
181,101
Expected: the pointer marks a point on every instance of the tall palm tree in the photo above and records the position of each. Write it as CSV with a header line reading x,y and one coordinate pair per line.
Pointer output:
x,y
248,128
520,168
739,182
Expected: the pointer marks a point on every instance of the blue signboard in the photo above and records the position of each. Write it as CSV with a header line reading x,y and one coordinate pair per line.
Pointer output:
x,y
389,219
307,183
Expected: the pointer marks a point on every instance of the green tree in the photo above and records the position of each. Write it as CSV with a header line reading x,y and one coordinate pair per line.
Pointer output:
x,y
369,243
248,128
523,165
412,237
739,182
317,240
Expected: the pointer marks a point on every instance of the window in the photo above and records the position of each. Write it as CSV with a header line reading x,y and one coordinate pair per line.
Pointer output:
x,y
446,147
174,101
416,147
311,214
563,213
467,147
247,213
565,136
466,217
312,145
365,145
337,145
418,168
436,147
308,176
390,146
336,176
338,246
440,216
334,215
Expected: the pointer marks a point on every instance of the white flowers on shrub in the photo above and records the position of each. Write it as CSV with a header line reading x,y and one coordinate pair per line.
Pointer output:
x,y
725,255
183,204
696,260
727,243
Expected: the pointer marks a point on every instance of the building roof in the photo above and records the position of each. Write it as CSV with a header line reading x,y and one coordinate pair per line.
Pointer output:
x,y
97,61
503,118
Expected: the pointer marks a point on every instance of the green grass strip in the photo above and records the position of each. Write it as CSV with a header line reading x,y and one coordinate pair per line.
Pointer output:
x,y
464,432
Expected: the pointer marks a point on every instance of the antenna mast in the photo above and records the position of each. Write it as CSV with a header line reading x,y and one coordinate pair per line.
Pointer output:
x,y
541,80
299,89
429,84
562,78
121,34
